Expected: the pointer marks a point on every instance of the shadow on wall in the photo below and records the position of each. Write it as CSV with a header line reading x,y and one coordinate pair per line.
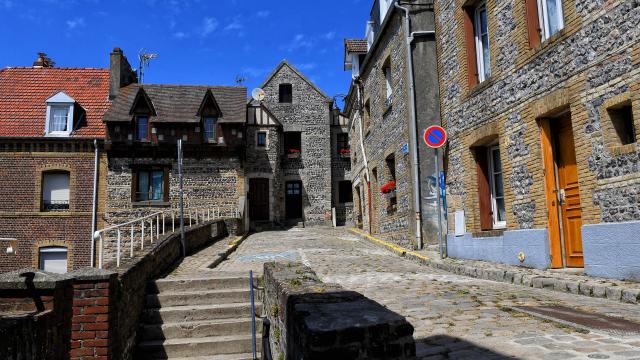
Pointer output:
x,y
449,347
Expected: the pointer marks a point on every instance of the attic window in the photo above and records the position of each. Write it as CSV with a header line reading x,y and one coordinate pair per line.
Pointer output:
x,y
59,120
286,93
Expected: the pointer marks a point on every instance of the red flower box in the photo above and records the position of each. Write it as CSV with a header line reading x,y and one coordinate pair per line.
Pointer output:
x,y
388,187
293,151
344,151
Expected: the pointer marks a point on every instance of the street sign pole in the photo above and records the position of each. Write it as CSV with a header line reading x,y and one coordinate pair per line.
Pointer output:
x,y
440,242
435,137
182,237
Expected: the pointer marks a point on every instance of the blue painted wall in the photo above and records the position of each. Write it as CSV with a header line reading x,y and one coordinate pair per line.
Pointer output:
x,y
504,249
612,250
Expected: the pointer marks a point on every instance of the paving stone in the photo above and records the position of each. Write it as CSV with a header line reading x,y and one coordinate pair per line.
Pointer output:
x,y
631,296
558,355
614,293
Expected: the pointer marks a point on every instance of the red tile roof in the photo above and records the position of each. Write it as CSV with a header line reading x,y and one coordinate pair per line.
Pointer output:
x,y
356,45
23,92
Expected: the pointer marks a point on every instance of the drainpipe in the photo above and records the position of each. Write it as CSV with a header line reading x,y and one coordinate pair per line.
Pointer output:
x,y
413,124
94,210
364,154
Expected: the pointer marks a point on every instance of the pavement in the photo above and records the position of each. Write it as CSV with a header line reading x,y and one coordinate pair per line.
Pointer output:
x,y
454,316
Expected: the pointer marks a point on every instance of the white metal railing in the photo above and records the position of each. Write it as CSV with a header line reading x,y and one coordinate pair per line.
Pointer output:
x,y
150,228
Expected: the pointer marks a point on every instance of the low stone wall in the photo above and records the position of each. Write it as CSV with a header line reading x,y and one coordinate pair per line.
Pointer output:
x,y
313,320
612,250
89,313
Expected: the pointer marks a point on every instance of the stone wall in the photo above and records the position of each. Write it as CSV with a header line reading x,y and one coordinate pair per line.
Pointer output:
x,y
313,320
21,214
309,114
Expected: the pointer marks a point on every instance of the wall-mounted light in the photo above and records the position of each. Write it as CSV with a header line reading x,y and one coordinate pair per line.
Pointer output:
x,y
13,246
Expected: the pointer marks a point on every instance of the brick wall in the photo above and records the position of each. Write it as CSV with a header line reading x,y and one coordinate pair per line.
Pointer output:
x,y
20,202
92,317
581,68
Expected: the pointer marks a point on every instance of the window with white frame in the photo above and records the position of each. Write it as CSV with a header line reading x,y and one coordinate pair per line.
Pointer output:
x,y
53,259
481,34
551,17
59,120
497,188
388,80
55,191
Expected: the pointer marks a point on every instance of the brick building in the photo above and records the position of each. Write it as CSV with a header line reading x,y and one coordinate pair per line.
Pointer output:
x,y
393,98
541,100
289,154
50,126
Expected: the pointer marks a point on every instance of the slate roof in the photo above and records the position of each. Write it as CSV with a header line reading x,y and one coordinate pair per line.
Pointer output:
x,y
356,46
24,90
180,103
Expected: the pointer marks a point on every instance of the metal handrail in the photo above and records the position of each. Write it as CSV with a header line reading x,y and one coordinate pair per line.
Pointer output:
x,y
253,316
144,226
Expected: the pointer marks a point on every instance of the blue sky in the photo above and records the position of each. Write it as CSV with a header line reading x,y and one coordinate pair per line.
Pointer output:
x,y
198,41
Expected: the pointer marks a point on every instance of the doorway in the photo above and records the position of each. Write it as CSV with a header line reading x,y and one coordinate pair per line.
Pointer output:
x,y
259,199
562,192
293,200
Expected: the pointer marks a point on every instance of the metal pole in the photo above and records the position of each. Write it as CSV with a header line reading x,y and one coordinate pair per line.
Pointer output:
x,y
253,315
94,209
439,205
182,237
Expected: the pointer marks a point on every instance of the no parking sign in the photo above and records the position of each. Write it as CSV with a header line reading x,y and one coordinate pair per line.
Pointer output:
x,y
435,136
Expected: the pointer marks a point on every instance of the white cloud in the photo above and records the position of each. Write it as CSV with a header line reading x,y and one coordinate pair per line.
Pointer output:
x,y
75,23
307,66
263,14
234,25
7,4
330,35
255,72
300,41
209,25
180,35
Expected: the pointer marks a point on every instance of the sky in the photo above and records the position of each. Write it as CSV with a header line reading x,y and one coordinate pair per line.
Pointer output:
x,y
203,42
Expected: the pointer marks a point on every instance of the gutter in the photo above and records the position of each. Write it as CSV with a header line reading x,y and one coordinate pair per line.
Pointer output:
x,y
413,123
94,210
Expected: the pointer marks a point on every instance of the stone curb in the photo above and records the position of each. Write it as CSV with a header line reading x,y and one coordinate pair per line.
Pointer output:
x,y
516,276
233,246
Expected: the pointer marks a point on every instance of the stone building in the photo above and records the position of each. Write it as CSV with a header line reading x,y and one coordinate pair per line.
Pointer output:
x,y
393,98
541,100
289,162
51,135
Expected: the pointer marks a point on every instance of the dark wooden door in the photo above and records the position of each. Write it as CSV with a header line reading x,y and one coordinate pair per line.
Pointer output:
x,y
569,193
259,199
293,200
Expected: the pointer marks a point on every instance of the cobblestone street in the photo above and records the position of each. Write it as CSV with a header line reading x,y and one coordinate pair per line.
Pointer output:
x,y
454,316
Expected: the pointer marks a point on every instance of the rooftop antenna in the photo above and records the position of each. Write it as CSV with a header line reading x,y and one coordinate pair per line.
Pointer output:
x,y
144,58
240,80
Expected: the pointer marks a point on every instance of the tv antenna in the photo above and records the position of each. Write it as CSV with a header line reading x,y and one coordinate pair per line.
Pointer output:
x,y
240,80
144,58
258,94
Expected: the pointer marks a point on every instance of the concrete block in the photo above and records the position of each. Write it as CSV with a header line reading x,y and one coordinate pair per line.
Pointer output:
x,y
613,293
631,296
586,288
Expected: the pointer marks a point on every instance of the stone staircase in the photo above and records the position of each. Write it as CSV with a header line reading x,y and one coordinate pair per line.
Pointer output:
x,y
199,318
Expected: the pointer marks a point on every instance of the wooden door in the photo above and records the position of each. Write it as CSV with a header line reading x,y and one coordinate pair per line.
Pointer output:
x,y
293,200
569,192
259,199
550,185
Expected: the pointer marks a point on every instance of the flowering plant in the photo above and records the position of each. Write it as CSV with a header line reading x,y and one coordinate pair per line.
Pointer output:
x,y
388,187
293,151
344,151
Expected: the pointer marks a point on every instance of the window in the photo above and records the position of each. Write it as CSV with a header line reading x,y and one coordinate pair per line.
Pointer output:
x,y
210,129
286,93
261,139
292,142
342,142
344,192
481,36
55,191
386,70
60,109
490,188
367,115
550,17
151,185
142,128
53,259
622,120
390,187
59,119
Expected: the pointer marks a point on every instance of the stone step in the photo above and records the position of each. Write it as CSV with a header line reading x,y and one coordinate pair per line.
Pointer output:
x,y
198,329
184,284
204,297
190,313
190,347
246,356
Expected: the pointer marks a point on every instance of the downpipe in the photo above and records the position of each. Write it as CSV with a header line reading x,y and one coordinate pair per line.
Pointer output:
x,y
413,124
367,177
94,208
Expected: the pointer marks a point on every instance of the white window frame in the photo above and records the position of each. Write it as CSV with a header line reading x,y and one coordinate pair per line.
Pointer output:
x,y
482,67
61,193
543,18
388,79
53,249
492,173
59,101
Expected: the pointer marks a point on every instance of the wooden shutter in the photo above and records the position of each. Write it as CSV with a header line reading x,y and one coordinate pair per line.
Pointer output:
x,y
484,189
470,44
134,184
533,23
165,190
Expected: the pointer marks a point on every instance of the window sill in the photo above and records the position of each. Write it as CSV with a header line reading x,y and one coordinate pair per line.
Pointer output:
x,y
59,135
488,233
545,44
141,204
623,149
480,87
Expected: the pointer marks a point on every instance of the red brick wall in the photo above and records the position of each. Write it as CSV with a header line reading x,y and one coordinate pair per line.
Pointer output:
x,y
20,215
90,322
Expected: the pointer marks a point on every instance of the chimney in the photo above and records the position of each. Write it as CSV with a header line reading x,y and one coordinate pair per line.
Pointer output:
x,y
120,73
43,61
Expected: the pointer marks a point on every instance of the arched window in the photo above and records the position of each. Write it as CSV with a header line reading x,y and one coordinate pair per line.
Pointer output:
x,y
53,259
55,191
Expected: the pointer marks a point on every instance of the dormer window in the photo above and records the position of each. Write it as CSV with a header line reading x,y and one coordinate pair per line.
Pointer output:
x,y
142,128
209,133
59,115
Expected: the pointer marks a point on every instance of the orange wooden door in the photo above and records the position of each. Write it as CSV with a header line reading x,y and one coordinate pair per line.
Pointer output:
x,y
569,192
550,185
